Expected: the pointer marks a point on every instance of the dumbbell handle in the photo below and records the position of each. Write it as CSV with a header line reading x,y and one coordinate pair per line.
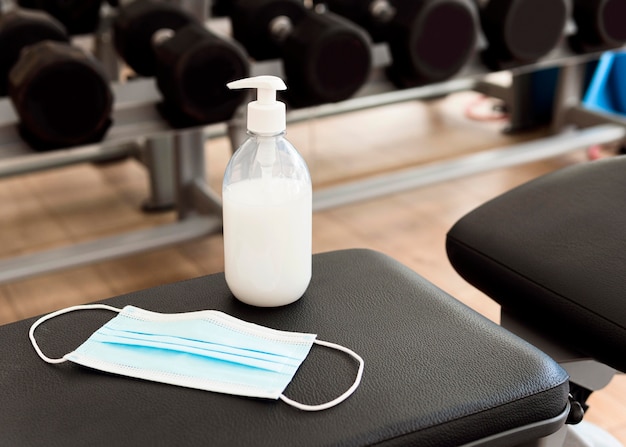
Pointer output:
x,y
280,27
162,35
382,10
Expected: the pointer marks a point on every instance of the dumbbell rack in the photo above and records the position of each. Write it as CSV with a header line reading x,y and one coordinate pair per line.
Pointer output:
x,y
573,126
176,162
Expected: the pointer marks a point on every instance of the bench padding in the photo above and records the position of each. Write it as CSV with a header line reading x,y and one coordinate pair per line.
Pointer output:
x,y
436,372
553,251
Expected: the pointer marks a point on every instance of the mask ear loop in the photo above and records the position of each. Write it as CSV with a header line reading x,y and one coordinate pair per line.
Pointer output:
x,y
31,332
345,395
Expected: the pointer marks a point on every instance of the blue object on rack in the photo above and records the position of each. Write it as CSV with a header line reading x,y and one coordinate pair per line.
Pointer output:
x,y
607,89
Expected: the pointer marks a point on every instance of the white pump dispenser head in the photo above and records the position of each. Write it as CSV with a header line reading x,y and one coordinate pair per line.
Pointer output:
x,y
266,116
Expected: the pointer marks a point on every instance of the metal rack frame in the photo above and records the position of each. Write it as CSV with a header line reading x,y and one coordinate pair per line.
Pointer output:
x,y
175,158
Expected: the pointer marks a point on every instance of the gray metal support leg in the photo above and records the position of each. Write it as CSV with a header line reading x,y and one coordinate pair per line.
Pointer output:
x,y
104,49
569,94
189,163
158,157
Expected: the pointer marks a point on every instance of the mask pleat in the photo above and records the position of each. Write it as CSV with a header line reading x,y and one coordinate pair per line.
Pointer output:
x,y
214,351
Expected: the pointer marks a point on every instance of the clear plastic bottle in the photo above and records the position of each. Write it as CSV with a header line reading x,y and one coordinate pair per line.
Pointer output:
x,y
267,207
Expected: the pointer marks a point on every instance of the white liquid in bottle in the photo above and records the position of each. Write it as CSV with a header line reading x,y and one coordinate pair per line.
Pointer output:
x,y
267,240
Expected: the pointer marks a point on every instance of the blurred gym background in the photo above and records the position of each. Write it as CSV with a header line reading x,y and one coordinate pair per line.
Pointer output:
x,y
116,126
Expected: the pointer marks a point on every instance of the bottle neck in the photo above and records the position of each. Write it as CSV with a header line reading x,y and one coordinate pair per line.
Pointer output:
x,y
260,137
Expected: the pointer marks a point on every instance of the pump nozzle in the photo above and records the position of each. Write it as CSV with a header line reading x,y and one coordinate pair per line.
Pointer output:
x,y
266,116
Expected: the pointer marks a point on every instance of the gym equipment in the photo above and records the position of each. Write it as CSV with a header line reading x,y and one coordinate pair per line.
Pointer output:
x,y
600,25
60,93
191,64
220,8
429,40
552,253
521,32
325,57
436,373
78,16
20,29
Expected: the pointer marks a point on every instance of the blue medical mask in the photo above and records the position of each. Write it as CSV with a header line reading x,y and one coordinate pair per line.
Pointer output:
x,y
207,350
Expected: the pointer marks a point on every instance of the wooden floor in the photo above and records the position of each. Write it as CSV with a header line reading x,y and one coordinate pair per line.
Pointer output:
x,y
83,202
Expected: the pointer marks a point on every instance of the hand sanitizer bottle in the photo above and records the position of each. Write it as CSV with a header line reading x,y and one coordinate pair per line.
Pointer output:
x,y
267,206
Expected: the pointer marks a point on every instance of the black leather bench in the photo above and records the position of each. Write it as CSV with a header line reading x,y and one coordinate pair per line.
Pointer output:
x,y
552,252
436,372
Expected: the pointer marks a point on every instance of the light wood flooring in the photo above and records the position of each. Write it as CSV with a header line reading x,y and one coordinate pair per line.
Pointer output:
x,y
82,202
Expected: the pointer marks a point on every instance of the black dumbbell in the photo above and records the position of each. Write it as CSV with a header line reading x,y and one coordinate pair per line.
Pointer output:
x,y
78,16
600,25
191,64
521,31
325,57
429,40
60,93
219,8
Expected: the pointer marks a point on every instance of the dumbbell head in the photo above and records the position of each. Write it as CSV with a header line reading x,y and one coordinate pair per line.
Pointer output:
x,y
600,25
522,31
193,68
252,22
220,8
326,59
61,96
19,29
78,16
430,40
135,27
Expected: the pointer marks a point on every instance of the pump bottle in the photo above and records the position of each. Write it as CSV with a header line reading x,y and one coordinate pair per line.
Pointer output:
x,y
267,206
